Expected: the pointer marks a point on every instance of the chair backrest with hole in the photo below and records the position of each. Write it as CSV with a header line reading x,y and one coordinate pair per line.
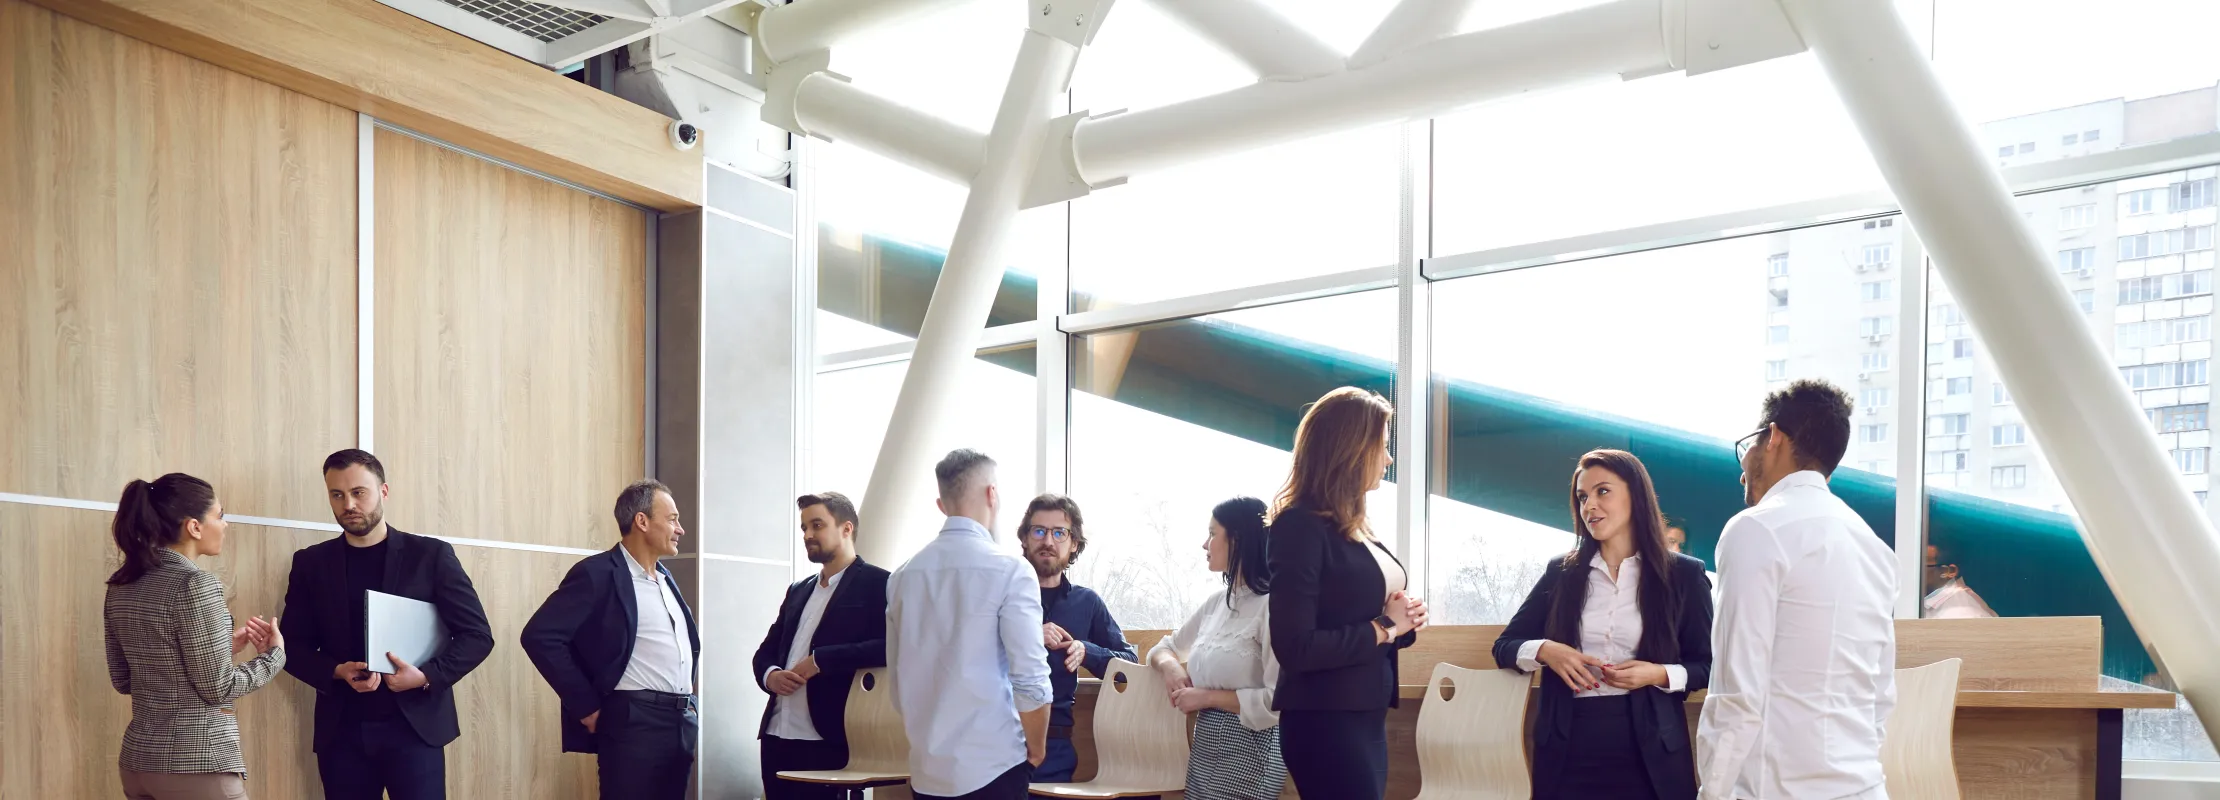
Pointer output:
x,y
1472,735
1140,738
1915,742
876,742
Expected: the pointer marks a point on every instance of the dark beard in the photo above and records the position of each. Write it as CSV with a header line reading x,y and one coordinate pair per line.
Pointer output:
x,y
1046,569
817,555
370,522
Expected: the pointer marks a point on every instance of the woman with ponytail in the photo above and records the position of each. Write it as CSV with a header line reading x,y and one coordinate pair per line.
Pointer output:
x,y
1229,673
170,646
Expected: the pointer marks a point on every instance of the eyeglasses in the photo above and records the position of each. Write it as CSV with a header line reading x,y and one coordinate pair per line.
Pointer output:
x,y
1742,446
1038,533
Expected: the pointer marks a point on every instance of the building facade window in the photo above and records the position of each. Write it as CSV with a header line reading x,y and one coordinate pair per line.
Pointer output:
x,y
2012,477
2165,287
1871,434
2190,195
2027,147
1872,327
1873,361
1776,370
1879,255
2007,434
1998,395
2167,375
2079,259
1948,424
2175,419
2161,332
1871,291
2165,243
2138,203
2087,299
2191,460
1961,348
1942,461
1876,397
1776,334
2088,136
2077,217
1776,265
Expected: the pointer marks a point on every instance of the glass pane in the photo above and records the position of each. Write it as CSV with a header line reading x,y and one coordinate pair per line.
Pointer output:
x,y
851,407
2001,536
1169,420
873,287
1515,415
1595,158
2047,79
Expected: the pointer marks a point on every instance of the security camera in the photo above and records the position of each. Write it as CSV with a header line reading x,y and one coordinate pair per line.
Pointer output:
x,y
684,135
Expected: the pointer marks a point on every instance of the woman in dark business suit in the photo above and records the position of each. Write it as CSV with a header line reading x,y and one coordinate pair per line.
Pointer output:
x,y
1624,624
1338,610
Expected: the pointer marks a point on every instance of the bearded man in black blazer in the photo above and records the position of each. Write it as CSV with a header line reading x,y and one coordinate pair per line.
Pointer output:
x,y
830,625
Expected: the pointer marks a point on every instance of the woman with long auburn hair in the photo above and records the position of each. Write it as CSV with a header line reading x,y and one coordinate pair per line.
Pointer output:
x,y
1624,625
1338,612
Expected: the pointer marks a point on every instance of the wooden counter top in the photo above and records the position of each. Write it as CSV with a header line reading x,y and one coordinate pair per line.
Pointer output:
x,y
2114,694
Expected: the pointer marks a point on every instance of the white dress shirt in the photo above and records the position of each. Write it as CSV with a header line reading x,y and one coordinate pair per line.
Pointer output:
x,y
792,720
1803,651
963,646
1610,626
662,658
1230,649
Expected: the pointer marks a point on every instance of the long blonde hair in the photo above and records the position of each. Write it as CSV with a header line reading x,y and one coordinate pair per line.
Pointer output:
x,y
1337,452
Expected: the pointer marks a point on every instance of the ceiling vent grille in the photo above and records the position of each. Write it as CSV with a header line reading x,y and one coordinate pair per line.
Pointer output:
x,y
540,21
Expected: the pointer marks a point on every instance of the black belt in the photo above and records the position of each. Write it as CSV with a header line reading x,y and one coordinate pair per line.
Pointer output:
x,y
655,699
1059,731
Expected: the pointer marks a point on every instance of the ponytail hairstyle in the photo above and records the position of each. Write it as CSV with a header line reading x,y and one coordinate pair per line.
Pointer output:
x,y
1248,550
152,516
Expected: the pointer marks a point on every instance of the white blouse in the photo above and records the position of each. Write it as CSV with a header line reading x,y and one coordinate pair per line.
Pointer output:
x,y
1230,649
1610,626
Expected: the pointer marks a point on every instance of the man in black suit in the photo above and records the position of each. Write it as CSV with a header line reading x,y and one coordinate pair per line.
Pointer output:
x,y
381,723
829,627
618,644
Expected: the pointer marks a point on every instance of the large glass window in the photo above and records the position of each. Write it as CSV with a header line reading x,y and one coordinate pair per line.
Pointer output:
x,y
1512,419
850,408
2159,322
1169,420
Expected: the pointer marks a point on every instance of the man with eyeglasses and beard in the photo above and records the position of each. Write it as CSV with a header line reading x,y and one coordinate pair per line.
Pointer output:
x,y
830,625
1077,627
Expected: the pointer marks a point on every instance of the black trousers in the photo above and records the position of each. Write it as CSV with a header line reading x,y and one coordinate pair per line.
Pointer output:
x,y
780,755
1603,759
1011,786
1337,754
644,745
384,758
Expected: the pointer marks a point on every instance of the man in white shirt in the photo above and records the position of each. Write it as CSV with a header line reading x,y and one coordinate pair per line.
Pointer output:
x,y
1804,643
618,645
963,644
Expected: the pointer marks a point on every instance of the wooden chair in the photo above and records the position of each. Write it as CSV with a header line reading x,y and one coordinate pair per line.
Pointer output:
x,y
1140,739
878,749
1472,741
1915,743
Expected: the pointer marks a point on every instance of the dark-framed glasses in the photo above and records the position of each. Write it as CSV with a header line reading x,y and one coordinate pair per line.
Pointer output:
x,y
1038,533
1742,446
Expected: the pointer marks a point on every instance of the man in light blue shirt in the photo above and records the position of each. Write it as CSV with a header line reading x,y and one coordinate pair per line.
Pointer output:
x,y
963,645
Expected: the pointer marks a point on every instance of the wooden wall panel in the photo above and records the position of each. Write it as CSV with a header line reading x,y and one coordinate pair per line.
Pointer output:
x,y
176,271
68,721
510,347
511,745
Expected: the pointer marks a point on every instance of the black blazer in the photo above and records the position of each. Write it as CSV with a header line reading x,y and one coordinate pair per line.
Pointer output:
x,y
851,636
1665,756
316,620
581,638
1326,590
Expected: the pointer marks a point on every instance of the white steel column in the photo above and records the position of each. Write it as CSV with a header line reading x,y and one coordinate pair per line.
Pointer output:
x,y
2154,546
1911,418
898,503
1052,368
1414,364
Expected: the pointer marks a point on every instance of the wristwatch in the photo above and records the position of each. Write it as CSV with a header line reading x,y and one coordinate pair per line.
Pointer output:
x,y
1386,623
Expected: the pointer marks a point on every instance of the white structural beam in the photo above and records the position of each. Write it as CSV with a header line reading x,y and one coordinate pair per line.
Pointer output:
x,y
829,107
1258,35
2155,547
897,504
1623,38
1409,24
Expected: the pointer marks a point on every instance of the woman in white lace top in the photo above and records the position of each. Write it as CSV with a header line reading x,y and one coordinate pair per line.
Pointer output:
x,y
1220,666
